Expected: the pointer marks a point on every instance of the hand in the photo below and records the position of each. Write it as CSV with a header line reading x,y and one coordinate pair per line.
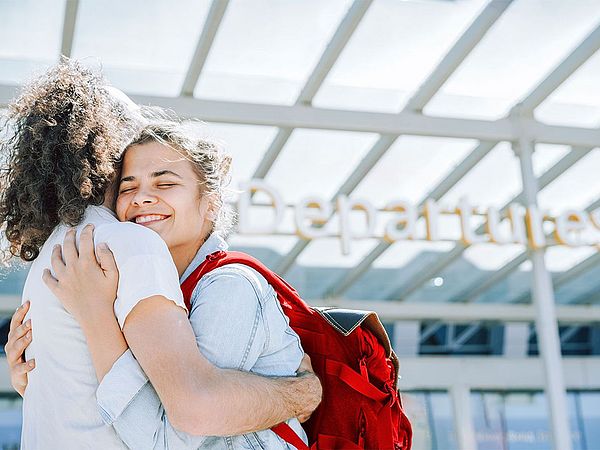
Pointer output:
x,y
315,389
86,282
19,338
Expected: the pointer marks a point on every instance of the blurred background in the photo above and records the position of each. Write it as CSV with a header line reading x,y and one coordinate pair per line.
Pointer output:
x,y
488,102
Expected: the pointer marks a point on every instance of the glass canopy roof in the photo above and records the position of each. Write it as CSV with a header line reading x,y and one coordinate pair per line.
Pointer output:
x,y
266,67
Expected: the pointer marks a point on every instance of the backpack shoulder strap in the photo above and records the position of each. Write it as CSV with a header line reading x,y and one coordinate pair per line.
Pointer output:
x,y
222,258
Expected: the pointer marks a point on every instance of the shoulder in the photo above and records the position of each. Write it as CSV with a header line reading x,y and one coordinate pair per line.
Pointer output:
x,y
130,238
237,273
234,281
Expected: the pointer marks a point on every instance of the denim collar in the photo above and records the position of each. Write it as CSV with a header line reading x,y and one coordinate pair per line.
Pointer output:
x,y
213,244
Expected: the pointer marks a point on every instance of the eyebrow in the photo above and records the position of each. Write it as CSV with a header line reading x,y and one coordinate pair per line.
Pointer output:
x,y
160,173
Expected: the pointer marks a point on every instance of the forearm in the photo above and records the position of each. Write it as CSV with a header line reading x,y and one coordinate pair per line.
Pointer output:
x,y
230,323
105,340
129,403
260,402
143,425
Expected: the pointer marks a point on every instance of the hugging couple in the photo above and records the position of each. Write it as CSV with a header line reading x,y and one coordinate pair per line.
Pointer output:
x,y
115,206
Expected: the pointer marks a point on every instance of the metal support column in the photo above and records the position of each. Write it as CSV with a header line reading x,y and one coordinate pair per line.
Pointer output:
x,y
463,417
407,336
515,339
545,323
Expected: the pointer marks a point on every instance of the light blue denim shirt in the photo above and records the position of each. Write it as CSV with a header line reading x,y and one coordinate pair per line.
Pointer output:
x,y
239,324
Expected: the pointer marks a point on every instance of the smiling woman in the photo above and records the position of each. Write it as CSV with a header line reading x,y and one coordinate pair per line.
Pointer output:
x,y
175,185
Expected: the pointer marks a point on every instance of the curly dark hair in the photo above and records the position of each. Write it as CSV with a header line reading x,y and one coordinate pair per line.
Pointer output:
x,y
66,130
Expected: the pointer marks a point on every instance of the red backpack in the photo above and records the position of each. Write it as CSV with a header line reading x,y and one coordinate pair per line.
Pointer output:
x,y
351,354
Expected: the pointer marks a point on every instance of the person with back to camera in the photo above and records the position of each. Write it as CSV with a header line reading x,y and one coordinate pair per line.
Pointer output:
x,y
69,130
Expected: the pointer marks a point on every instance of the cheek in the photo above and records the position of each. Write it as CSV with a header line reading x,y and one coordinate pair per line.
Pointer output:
x,y
121,208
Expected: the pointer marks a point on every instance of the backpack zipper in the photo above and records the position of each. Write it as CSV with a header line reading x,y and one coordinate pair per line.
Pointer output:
x,y
362,427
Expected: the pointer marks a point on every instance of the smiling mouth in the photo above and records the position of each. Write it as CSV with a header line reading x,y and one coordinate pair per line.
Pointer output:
x,y
148,219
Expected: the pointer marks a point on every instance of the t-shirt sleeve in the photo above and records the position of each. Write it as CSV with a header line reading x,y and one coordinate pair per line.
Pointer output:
x,y
146,267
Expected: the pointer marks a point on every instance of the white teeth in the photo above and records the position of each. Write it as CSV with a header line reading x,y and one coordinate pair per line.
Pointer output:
x,y
144,219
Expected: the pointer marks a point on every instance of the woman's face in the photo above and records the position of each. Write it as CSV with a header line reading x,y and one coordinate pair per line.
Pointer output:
x,y
160,190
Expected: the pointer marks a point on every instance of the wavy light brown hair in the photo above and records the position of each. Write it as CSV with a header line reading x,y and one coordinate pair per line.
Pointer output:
x,y
207,157
65,132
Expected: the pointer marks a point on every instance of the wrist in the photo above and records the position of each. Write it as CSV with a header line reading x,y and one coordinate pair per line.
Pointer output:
x,y
96,317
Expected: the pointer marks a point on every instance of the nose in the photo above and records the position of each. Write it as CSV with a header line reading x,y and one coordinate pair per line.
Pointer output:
x,y
143,197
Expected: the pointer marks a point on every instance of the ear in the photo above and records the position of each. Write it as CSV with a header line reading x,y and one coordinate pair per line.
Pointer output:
x,y
208,207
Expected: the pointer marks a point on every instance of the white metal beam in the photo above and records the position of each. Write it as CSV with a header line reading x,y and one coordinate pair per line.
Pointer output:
x,y
545,308
330,55
590,297
68,32
353,274
467,334
268,159
430,330
516,338
426,91
333,50
205,41
430,87
480,286
360,171
568,275
578,269
390,311
447,312
564,70
567,334
406,337
435,194
444,261
476,289
493,373
457,54
565,277
463,416
478,373
300,116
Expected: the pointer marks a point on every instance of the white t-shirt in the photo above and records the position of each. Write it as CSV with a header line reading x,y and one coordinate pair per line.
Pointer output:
x,y
59,408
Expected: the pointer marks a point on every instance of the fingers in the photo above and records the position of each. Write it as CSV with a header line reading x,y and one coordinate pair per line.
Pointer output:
x,y
24,367
18,316
15,351
18,340
20,331
69,251
106,258
50,281
57,262
86,243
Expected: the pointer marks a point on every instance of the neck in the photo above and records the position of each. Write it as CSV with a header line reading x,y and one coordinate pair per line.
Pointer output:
x,y
183,255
